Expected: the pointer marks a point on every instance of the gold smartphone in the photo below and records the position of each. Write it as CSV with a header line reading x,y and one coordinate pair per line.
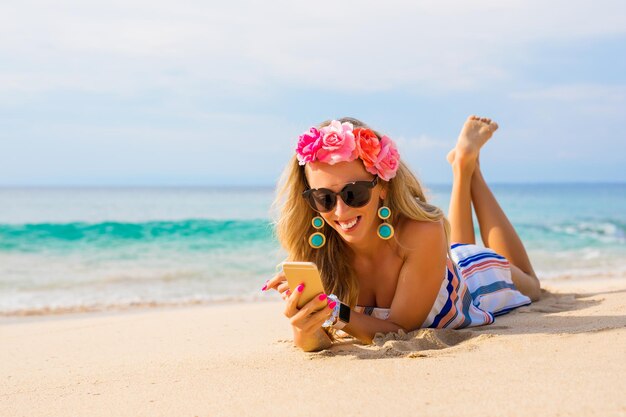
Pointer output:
x,y
303,273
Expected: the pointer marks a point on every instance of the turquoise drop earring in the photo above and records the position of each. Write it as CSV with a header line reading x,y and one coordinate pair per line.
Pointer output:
x,y
317,239
385,230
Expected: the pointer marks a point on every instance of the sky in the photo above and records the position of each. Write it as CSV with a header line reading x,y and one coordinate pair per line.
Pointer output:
x,y
188,93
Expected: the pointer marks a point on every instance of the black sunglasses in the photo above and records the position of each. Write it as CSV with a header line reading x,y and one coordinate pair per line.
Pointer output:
x,y
355,194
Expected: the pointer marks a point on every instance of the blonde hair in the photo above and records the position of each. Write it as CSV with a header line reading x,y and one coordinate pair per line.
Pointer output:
x,y
405,197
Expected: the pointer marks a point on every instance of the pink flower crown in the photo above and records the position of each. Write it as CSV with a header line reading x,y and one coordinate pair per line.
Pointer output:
x,y
341,142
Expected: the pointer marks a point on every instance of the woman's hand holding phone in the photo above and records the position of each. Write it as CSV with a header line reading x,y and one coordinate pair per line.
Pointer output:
x,y
312,315
306,321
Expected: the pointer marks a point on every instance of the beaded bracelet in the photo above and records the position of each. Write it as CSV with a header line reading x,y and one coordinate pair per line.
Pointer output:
x,y
335,314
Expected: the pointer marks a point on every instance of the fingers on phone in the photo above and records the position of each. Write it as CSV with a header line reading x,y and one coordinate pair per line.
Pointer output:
x,y
285,294
276,280
310,309
318,318
283,287
292,302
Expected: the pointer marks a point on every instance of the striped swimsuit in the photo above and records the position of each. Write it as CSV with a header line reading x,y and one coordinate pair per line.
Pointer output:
x,y
472,295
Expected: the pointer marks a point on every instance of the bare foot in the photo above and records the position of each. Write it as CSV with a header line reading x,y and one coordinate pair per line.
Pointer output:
x,y
475,132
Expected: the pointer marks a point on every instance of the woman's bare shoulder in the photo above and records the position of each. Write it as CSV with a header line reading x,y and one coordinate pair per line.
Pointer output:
x,y
416,235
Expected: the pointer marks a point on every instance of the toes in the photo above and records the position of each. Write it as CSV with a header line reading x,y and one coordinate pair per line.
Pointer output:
x,y
485,121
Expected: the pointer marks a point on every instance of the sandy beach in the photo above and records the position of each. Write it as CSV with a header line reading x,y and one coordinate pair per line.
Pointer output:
x,y
564,355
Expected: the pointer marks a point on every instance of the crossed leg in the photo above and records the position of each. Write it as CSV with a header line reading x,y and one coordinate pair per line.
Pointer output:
x,y
469,186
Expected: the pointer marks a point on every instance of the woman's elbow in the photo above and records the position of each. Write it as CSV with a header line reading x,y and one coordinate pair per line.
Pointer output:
x,y
535,295
535,291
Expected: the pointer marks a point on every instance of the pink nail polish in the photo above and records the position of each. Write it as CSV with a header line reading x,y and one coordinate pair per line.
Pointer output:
x,y
288,292
322,297
332,304
264,288
300,288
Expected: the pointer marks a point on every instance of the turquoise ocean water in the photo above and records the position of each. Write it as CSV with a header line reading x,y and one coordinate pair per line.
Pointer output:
x,y
105,248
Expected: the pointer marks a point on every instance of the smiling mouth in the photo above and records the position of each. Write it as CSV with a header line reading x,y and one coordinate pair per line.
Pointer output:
x,y
349,225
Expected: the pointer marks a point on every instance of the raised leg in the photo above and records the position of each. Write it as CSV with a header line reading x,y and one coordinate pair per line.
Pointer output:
x,y
496,230
498,233
460,209
476,131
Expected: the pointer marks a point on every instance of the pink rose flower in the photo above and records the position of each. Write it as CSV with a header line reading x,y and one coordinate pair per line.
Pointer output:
x,y
388,160
308,145
368,147
337,144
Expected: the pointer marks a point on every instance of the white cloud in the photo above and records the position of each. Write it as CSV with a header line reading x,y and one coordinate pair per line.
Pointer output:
x,y
606,103
226,148
242,45
569,155
575,92
422,142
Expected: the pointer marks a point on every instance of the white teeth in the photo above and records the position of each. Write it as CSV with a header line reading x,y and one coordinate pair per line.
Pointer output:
x,y
346,226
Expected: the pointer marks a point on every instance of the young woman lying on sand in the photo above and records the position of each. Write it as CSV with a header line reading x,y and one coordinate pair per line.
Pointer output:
x,y
386,253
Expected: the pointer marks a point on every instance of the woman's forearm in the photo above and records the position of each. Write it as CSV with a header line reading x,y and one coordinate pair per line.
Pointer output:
x,y
361,326
365,327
